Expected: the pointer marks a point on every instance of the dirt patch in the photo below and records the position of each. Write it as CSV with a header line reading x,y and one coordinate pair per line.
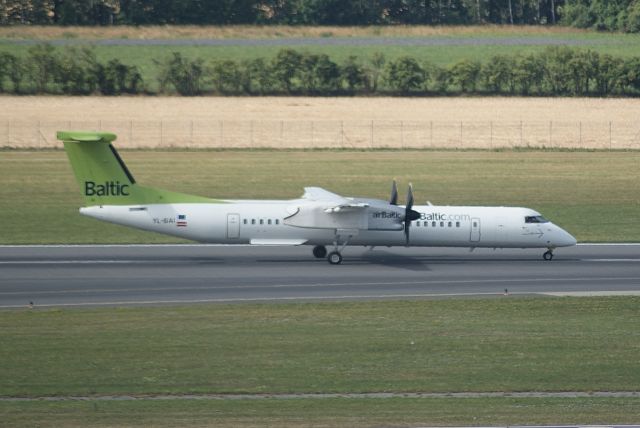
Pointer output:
x,y
326,122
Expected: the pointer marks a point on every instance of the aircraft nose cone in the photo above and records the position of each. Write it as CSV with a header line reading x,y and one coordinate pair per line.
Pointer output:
x,y
565,239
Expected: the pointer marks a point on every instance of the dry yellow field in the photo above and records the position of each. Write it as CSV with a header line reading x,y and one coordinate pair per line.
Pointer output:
x,y
270,31
309,122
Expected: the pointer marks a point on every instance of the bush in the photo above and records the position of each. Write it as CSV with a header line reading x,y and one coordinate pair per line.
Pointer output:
x,y
185,75
466,74
405,75
43,66
226,77
287,67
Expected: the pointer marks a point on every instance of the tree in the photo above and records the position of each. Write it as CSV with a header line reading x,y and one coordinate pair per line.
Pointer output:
x,y
499,74
558,74
441,79
375,71
185,75
466,74
287,67
226,76
405,75
610,75
73,75
353,74
43,64
529,73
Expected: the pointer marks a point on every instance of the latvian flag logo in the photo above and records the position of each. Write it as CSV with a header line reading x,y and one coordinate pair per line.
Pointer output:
x,y
182,220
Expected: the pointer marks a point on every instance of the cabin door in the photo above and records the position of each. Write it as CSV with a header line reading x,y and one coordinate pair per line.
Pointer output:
x,y
233,226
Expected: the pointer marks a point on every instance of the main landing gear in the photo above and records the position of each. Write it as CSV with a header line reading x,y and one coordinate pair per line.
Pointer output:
x,y
548,255
335,256
319,251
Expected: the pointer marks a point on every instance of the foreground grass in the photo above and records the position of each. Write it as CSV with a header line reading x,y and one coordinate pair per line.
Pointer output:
x,y
522,344
594,195
325,413
510,344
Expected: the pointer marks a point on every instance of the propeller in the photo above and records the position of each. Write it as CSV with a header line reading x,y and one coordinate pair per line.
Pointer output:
x,y
394,194
409,214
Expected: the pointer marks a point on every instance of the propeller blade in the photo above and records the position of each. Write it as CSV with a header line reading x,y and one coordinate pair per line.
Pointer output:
x,y
409,214
410,197
394,194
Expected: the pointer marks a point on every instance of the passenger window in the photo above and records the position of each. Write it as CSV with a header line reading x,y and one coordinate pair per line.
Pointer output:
x,y
433,224
253,221
475,224
269,221
450,224
244,221
261,221
457,224
442,224
277,221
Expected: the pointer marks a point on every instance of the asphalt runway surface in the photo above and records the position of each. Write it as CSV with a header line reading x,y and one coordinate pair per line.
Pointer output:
x,y
76,276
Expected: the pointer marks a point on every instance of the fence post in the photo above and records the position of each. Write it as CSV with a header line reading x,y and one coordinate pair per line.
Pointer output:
x,y
312,134
38,136
580,132
342,134
550,139
402,134
460,135
191,133
251,133
521,136
8,132
131,133
371,134
609,135
491,134
431,133
161,134
221,133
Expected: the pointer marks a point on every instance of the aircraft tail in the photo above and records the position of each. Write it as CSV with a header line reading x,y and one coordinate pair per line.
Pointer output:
x,y
104,178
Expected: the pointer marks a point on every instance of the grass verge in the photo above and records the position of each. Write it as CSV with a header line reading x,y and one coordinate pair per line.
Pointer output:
x,y
325,413
594,195
510,344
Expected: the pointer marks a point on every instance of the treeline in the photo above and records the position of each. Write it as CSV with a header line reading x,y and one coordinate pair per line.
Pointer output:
x,y
618,15
285,12
556,71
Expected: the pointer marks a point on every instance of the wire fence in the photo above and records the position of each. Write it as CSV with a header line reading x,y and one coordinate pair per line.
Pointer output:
x,y
316,134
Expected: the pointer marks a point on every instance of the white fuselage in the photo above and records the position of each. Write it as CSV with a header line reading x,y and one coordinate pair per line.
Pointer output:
x,y
264,222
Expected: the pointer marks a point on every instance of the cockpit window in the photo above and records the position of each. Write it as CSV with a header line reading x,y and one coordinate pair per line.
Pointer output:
x,y
535,219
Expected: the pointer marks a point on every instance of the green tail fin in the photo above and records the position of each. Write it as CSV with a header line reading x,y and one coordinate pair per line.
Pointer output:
x,y
104,178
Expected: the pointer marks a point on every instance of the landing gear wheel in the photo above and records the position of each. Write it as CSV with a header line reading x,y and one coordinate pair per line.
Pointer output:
x,y
548,255
319,252
334,258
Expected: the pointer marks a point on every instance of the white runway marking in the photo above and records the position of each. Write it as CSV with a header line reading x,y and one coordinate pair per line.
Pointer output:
x,y
591,293
336,297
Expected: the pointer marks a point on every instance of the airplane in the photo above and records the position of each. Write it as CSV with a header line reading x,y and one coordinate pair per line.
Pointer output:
x,y
319,218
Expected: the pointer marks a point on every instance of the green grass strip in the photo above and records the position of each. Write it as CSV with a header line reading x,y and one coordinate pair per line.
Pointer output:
x,y
325,413
594,195
476,345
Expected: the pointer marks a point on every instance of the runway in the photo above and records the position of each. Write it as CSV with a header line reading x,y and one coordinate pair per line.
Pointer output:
x,y
78,276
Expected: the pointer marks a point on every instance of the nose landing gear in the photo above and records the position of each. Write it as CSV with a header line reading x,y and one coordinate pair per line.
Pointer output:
x,y
548,255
